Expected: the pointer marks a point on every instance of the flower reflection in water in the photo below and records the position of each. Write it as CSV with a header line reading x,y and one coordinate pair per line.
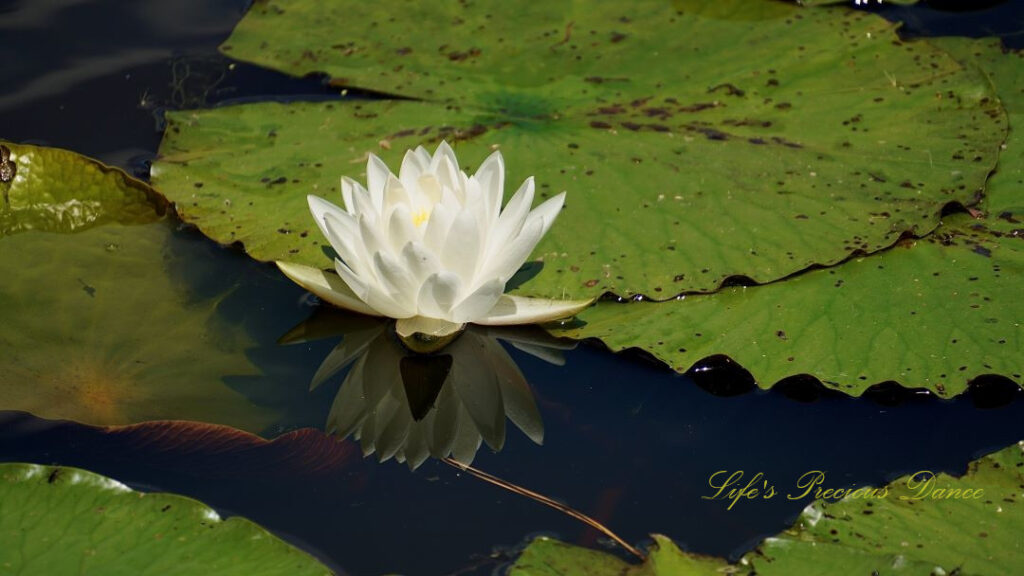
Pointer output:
x,y
410,406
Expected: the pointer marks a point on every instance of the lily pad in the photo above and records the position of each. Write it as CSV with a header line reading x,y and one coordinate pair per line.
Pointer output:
x,y
56,520
60,191
94,325
931,313
98,331
919,524
694,147
866,2
1004,201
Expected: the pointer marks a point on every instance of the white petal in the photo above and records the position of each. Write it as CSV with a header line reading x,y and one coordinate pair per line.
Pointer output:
x,y
397,282
423,155
343,235
547,212
400,228
476,204
328,287
438,294
420,261
363,206
319,208
412,166
394,193
430,188
450,200
491,175
382,301
371,236
507,261
438,225
461,250
520,310
479,303
511,220
377,173
446,167
349,190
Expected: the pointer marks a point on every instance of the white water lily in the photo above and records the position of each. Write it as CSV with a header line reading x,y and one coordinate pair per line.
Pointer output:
x,y
432,246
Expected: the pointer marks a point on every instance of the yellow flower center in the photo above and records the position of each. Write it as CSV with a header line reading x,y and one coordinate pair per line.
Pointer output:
x,y
420,216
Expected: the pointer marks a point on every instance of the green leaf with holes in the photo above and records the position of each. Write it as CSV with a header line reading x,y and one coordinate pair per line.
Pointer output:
x,y
100,326
56,520
922,523
931,313
697,140
61,191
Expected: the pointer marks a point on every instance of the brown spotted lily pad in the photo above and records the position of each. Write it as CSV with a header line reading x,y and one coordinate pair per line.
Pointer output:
x,y
932,313
695,146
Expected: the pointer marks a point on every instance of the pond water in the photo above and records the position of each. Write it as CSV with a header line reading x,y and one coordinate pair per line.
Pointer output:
x,y
625,439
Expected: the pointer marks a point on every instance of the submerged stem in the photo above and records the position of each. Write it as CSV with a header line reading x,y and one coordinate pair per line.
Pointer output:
x,y
545,500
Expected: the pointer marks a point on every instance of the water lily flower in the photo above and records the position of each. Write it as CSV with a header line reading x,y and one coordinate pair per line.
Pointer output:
x,y
432,247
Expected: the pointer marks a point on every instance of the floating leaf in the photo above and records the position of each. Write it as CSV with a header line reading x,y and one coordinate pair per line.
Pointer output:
x,y
1004,198
695,146
56,520
99,331
865,2
96,326
930,313
918,524
60,191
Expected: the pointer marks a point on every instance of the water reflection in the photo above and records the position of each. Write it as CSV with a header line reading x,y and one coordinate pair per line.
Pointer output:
x,y
409,406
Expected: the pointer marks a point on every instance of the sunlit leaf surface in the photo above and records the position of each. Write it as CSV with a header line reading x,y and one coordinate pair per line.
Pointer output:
x,y
100,326
56,520
697,140
930,313
918,524
61,191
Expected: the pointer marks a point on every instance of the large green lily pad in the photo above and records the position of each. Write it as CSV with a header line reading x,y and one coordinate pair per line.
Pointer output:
x,y
97,328
56,520
695,146
930,313
60,191
918,524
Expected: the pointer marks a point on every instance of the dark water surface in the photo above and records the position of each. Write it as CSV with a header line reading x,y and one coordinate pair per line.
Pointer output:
x,y
625,439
